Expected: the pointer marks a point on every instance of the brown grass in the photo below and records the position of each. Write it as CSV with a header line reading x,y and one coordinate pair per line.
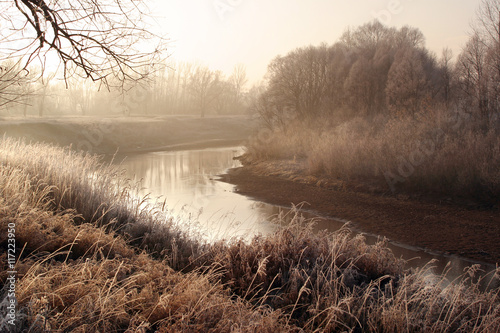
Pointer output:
x,y
336,282
114,295
95,259
83,277
96,193
438,154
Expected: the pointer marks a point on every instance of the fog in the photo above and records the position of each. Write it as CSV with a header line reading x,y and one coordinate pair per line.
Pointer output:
x,y
217,53
231,165
224,33
180,88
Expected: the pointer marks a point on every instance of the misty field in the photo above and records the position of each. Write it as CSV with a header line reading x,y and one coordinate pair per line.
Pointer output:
x,y
125,135
92,256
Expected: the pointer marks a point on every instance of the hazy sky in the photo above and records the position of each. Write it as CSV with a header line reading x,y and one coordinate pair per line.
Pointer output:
x,y
223,33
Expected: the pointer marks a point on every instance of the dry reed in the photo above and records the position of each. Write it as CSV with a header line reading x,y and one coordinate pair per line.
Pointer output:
x,y
440,154
92,257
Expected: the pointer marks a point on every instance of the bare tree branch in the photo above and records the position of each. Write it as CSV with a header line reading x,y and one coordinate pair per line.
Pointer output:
x,y
107,41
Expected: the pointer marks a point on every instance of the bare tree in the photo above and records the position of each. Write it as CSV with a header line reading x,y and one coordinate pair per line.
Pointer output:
x,y
273,113
43,83
407,84
185,71
285,83
170,88
409,37
204,85
488,27
471,69
107,41
81,96
478,67
225,100
15,84
238,79
445,64
488,20
367,38
359,87
299,80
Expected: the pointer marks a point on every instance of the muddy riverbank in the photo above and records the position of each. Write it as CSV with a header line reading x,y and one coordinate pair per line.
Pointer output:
x,y
446,228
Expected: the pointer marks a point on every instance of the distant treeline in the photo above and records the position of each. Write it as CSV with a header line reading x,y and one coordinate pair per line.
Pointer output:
x,y
371,70
176,88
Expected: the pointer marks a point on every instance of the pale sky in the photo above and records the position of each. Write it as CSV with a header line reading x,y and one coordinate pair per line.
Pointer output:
x,y
223,33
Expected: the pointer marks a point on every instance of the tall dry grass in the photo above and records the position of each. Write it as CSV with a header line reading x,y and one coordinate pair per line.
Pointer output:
x,y
99,194
134,295
76,275
336,282
450,155
84,266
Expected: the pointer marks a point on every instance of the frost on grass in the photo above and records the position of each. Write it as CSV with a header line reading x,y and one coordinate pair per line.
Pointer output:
x,y
94,258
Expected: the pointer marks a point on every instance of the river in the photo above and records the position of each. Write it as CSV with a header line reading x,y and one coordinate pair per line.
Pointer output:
x,y
188,181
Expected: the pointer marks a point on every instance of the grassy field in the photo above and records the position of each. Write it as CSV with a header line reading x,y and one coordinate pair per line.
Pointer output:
x,y
125,135
443,155
92,256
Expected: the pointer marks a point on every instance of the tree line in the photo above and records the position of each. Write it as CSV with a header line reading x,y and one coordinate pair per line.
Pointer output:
x,y
192,88
102,57
370,70
175,88
379,70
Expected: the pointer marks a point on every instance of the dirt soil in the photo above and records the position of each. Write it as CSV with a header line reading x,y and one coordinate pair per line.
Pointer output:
x,y
447,228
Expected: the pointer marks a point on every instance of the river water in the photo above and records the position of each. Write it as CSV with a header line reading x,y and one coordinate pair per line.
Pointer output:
x,y
188,181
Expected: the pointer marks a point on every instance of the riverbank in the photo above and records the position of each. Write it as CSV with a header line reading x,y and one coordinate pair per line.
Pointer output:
x,y
432,225
447,156
91,255
129,135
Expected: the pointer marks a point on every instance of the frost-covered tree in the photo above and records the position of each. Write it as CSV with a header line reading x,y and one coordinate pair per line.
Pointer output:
x,y
407,83
478,66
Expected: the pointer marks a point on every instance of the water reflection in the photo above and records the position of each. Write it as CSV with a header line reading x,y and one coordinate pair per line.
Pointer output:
x,y
188,182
